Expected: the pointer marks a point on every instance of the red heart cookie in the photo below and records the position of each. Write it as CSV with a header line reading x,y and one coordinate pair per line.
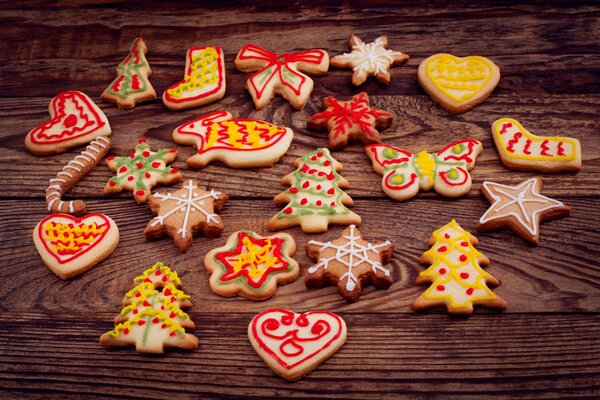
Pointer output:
x,y
70,246
75,120
294,344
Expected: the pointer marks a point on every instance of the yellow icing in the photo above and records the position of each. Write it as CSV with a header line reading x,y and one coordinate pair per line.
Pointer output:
x,y
150,314
254,257
204,71
67,238
242,134
426,165
151,273
467,74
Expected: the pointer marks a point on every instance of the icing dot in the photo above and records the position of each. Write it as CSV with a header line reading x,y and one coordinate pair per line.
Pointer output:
x,y
146,154
464,275
111,183
288,210
135,311
442,249
327,163
147,280
147,175
293,190
332,204
447,236
331,191
314,158
318,202
139,165
464,244
158,272
130,178
174,170
155,320
141,140
110,158
172,150
303,201
140,192
305,185
163,326
319,154
318,187
441,288
462,258
469,291
123,169
70,121
146,303
131,155
138,294
141,322
167,292
126,331
66,234
164,278
330,176
155,164
442,271
172,334
172,315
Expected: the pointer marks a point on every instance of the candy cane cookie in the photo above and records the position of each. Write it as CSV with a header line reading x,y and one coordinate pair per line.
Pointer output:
x,y
72,173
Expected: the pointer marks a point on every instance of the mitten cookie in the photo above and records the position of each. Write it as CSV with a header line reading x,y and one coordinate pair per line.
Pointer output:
x,y
75,120
281,74
352,120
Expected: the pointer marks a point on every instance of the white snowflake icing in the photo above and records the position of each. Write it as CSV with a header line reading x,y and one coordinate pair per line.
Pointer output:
x,y
188,203
355,253
370,57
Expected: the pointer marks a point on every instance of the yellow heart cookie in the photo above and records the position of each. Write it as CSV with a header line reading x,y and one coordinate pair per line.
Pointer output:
x,y
458,84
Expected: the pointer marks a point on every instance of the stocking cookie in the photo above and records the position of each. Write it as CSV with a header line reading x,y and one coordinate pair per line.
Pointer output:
x,y
352,120
349,262
404,173
75,120
315,198
203,82
184,212
282,74
70,246
252,266
72,173
131,86
238,143
369,59
519,208
141,171
291,344
523,151
457,280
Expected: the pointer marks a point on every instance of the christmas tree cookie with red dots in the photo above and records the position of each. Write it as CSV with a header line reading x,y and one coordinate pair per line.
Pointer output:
x,y
152,316
141,171
315,198
457,280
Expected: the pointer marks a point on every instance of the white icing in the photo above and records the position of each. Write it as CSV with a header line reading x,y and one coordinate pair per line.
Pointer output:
x,y
57,180
78,163
72,167
50,204
52,194
60,205
57,187
65,173
71,208
89,154
371,58
84,157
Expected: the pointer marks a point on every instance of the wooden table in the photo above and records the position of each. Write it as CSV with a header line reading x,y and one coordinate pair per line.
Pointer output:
x,y
545,345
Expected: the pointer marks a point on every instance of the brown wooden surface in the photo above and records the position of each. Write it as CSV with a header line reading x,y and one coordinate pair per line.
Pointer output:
x,y
546,345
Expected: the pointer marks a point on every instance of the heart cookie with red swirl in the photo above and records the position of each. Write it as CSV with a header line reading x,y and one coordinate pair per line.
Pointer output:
x,y
75,120
292,344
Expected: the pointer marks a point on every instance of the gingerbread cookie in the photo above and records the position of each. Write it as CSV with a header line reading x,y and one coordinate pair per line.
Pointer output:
x,y
184,212
203,82
72,173
238,143
349,262
141,171
519,208
523,151
291,344
457,280
70,246
282,74
152,319
352,120
404,173
369,59
252,266
75,120
458,83
315,198
131,86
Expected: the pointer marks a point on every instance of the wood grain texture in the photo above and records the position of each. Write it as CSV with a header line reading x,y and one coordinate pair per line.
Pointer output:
x,y
544,346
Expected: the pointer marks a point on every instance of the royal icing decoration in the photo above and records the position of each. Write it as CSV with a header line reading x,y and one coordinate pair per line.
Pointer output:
x,y
152,319
520,208
281,74
203,82
141,171
131,85
294,344
184,212
238,143
75,120
315,198
457,279
70,246
369,59
351,262
521,150
251,265
405,173
350,120
71,173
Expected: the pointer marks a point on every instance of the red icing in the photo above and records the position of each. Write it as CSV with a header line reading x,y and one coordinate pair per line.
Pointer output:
x,y
293,190
464,275
462,258
287,210
442,271
469,291
441,288
442,249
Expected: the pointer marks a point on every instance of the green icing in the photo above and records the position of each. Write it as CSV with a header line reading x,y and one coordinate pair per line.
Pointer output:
x,y
127,69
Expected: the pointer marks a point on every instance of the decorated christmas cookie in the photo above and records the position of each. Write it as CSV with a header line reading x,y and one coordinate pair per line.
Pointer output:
x,y
282,74
351,120
75,120
457,280
131,86
519,208
404,173
292,344
184,212
252,266
238,143
523,151
141,171
369,59
153,319
71,173
458,83
70,246
203,82
315,198
349,262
